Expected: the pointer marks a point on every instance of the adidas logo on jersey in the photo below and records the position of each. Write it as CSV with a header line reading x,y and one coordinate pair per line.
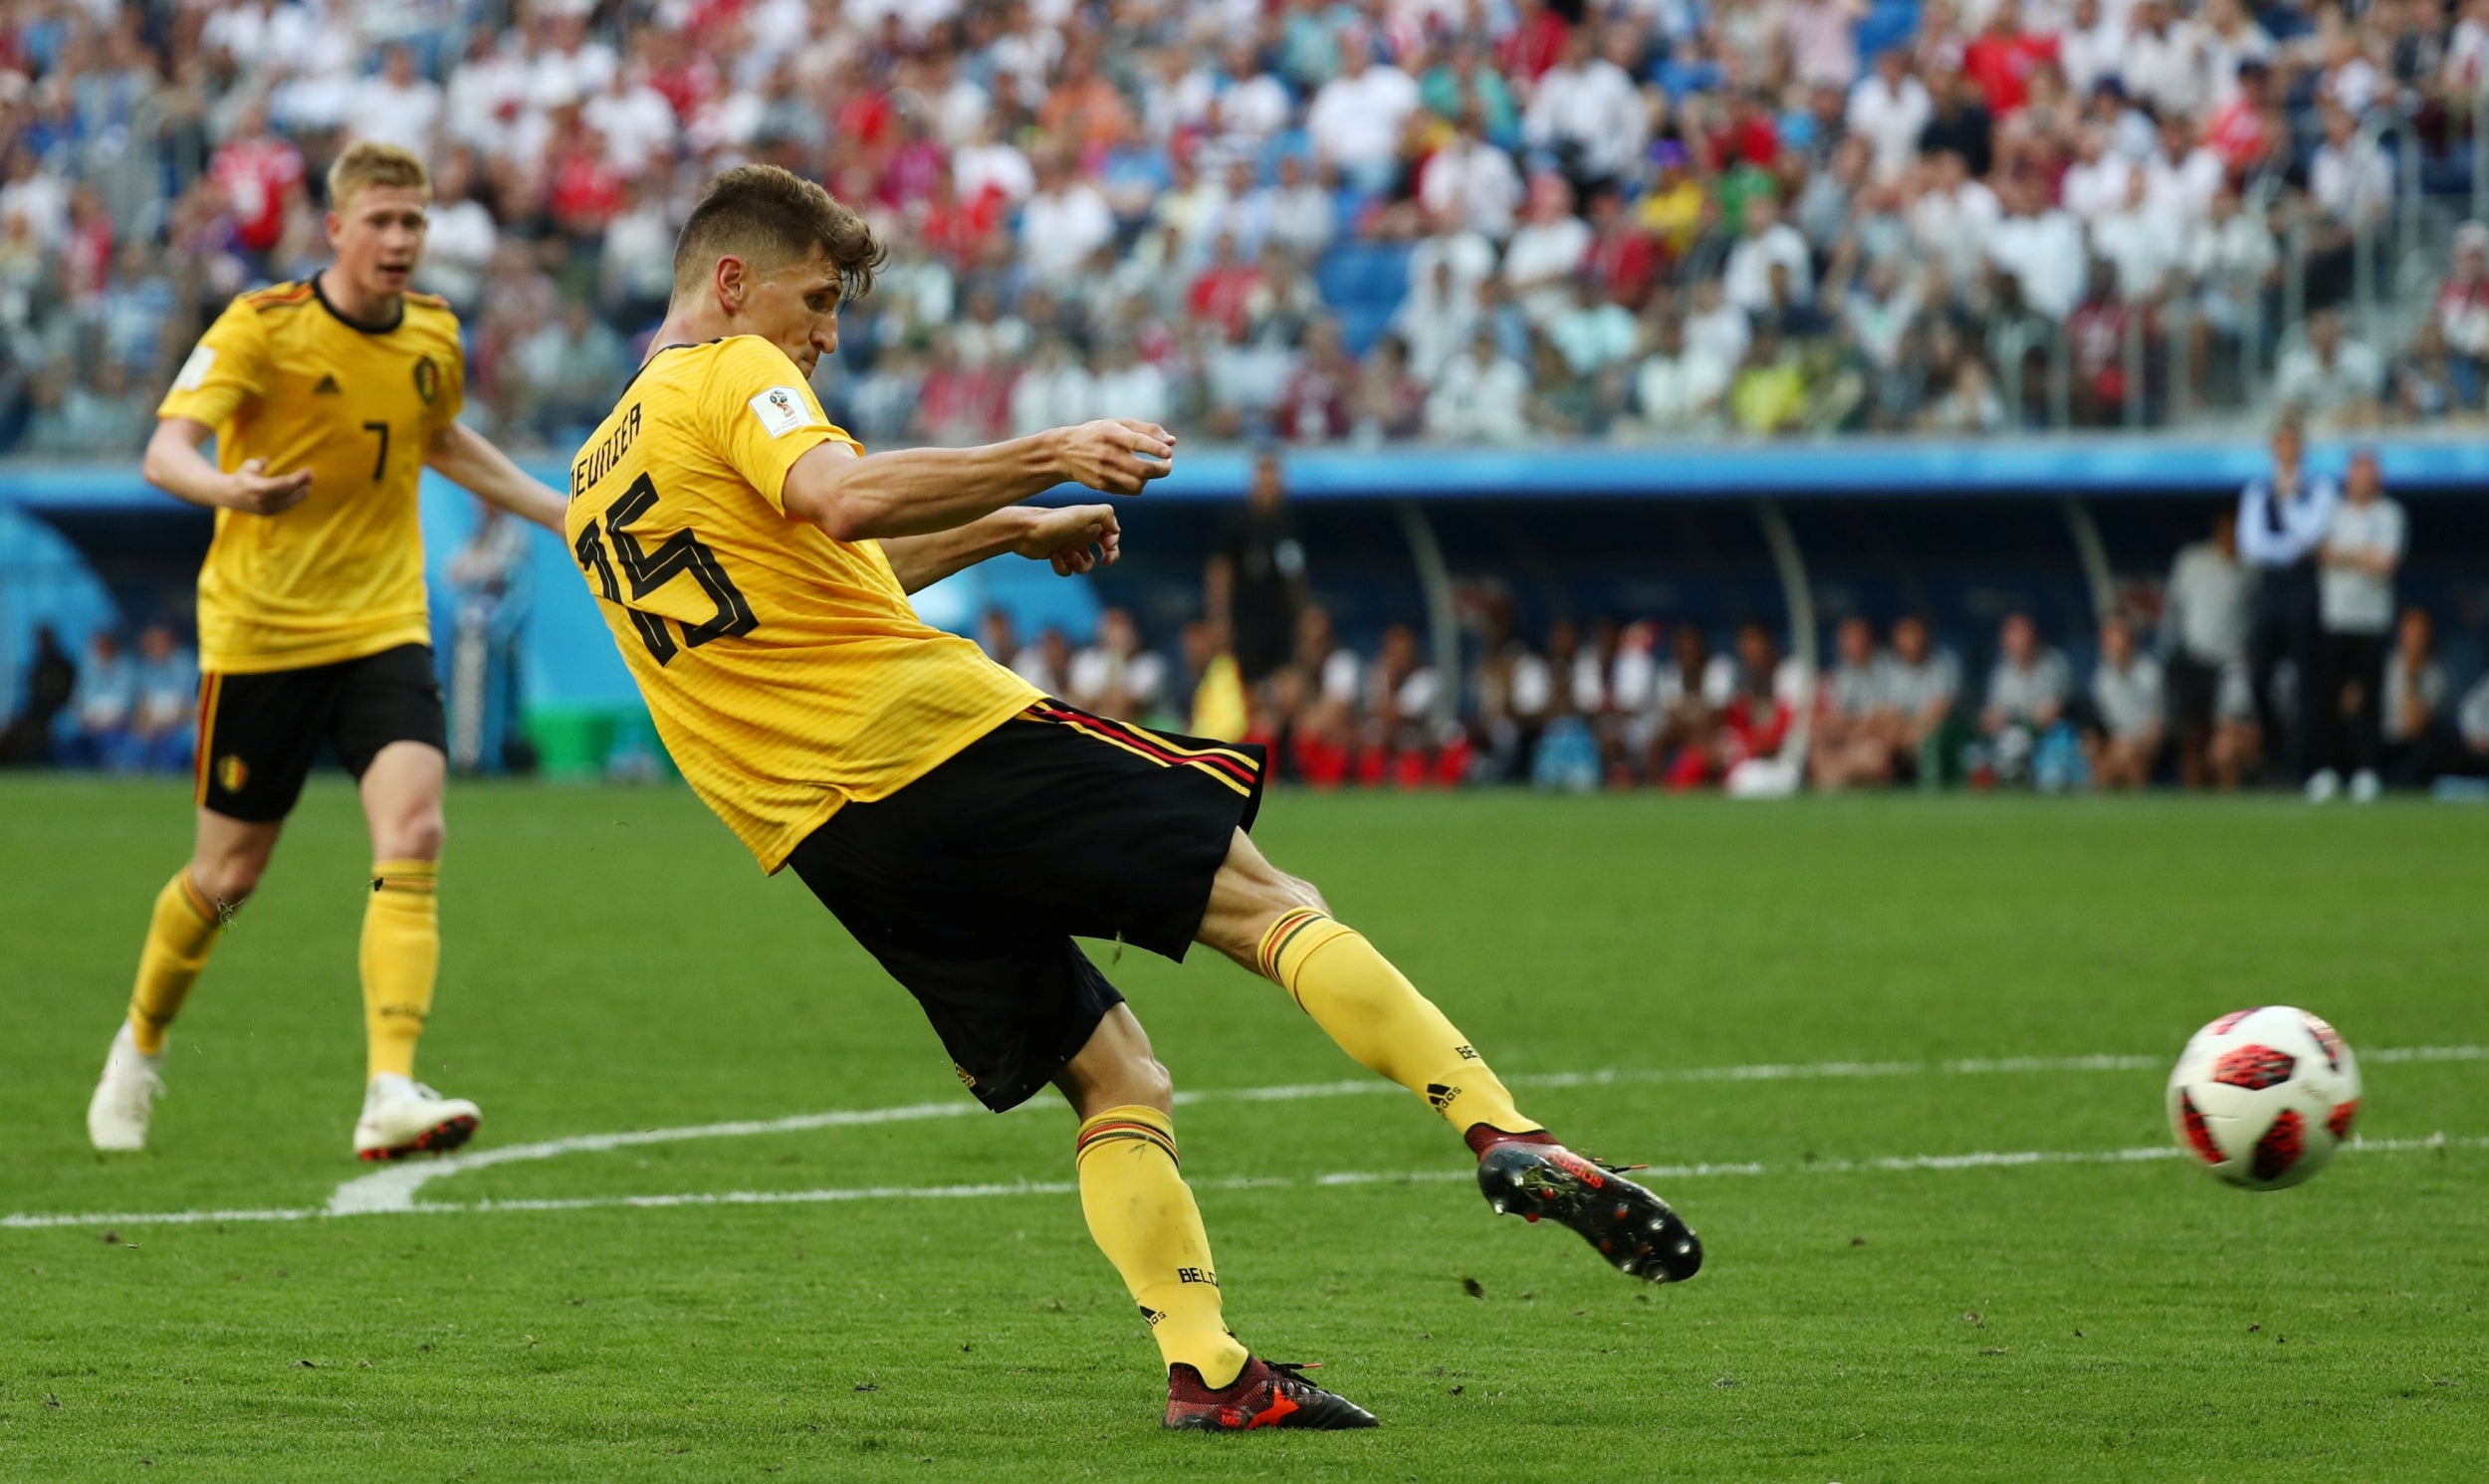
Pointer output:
x,y
328,387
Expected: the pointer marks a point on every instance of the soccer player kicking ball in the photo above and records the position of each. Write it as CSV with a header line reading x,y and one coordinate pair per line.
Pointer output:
x,y
325,399
753,566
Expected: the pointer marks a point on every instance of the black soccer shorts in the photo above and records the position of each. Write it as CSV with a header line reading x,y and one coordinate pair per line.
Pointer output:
x,y
260,735
970,884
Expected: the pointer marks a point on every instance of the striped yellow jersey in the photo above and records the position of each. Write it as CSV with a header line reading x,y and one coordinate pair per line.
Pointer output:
x,y
282,376
785,670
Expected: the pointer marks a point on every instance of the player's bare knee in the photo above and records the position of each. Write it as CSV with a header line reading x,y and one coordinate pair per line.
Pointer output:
x,y
228,877
416,836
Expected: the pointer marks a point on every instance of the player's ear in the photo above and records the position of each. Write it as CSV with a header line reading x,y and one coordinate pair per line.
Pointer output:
x,y
734,281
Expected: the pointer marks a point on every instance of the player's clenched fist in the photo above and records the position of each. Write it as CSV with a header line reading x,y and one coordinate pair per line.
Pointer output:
x,y
254,491
1116,455
1076,538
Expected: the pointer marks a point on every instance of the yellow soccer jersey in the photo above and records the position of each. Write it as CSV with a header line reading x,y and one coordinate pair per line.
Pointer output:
x,y
281,376
785,670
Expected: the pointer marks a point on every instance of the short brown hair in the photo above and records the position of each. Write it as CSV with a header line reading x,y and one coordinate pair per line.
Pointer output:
x,y
764,213
368,162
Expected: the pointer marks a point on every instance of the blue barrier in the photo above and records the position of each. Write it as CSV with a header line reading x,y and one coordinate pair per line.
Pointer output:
x,y
2103,466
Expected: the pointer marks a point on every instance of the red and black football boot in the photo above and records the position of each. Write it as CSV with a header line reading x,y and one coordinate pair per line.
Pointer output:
x,y
1266,1393
1534,1176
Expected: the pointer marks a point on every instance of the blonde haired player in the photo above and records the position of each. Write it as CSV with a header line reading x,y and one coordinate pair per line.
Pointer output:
x,y
753,566
326,399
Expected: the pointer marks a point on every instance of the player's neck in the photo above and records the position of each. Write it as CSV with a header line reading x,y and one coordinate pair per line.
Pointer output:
x,y
365,312
689,324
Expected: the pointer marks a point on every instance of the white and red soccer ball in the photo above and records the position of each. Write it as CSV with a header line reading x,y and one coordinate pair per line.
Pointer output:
x,y
2264,1096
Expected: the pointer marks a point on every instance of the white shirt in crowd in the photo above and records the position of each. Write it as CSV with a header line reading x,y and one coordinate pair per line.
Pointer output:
x,y
2023,691
1539,265
2351,601
1095,671
2128,700
1890,119
2094,188
1746,277
1355,120
2044,253
2320,388
1594,107
1475,403
1059,229
1473,184
387,113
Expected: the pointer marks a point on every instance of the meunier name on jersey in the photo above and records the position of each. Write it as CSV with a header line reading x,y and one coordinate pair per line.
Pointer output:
x,y
785,670
282,376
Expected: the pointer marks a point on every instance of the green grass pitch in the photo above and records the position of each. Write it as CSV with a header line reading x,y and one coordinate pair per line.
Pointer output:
x,y
614,963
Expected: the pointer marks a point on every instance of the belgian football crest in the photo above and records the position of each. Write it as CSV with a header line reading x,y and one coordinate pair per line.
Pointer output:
x,y
427,379
231,772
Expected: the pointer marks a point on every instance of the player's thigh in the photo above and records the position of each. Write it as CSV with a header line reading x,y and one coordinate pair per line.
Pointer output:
x,y
1011,1008
258,736
1246,897
1072,824
391,735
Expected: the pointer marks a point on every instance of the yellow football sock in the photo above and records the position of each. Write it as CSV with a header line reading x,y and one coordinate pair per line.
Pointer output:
x,y
1380,1018
179,937
401,951
1142,1216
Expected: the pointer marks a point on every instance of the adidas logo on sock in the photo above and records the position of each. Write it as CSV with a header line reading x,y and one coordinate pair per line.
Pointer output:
x,y
1441,1095
328,387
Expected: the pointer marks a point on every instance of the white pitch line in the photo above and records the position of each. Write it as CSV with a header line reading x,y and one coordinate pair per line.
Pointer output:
x,y
1975,1160
395,1188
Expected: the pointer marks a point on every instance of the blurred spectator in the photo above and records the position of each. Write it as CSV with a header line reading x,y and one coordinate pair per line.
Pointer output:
x,y
1889,108
994,634
101,414
50,683
2363,545
571,366
2282,519
1679,387
1852,742
1765,241
2415,693
2331,381
1115,676
2204,637
1480,397
2463,307
1471,182
101,705
1255,582
1586,115
2026,699
166,692
2127,707
1045,664
1921,685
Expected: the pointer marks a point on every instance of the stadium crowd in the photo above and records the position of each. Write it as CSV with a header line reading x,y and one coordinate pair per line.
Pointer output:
x,y
1312,219
2217,676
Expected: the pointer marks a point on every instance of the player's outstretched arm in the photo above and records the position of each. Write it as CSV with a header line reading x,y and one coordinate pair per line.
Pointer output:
x,y
468,458
174,465
1076,538
919,490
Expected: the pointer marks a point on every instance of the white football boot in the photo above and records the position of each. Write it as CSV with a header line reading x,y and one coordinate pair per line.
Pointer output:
x,y
2365,787
403,1117
2322,786
116,1117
